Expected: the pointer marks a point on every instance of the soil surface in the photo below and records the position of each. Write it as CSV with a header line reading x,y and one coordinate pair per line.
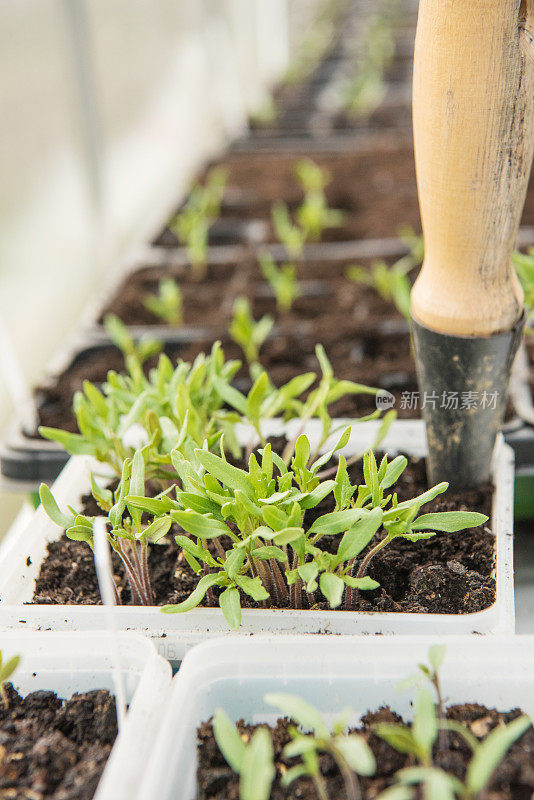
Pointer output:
x,y
512,780
324,292
451,573
365,338
374,185
54,749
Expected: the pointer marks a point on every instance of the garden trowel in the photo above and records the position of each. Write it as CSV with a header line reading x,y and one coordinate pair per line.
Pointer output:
x,y
473,109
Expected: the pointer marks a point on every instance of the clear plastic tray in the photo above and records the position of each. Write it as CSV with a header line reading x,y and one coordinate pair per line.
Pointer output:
x,y
20,562
79,662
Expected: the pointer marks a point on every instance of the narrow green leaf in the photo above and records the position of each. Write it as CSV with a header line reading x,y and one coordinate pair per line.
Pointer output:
x,y
52,509
231,607
394,470
229,475
299,711
425,724
436,655
157,529
332,587
491,752
8,668
73,443
337,521
398,736
359,536
252,586
195,598
449,521
287,535
357,753
257,768
200,524
234,561
228,740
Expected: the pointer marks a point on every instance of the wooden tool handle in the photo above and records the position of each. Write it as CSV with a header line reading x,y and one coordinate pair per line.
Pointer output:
x,y
473,107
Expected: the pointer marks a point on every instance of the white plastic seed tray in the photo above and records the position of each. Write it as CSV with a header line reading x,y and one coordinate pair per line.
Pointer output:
x,y
331,673
175,633
80,662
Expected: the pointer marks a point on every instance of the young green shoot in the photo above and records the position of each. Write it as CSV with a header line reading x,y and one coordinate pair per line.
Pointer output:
x,y
367,90
314,214
290,235
129,536
134,352
246,332
192,224
161,408
418,741
7,668
167,304
311,737
402,520
392,282
282,280
252,761
262,544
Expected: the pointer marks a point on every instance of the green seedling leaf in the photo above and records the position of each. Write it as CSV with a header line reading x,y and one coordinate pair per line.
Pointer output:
x,y
394,470
266,553
449,521
226,473
301,712
228,740
200,525
309,572
287,535
438,785
198,503
436,656
195,598
234,561
399,737
73,443
8,668
257,768
253,587
365,584
491,752
52,509
152,505
231,607
81,533
397,793
156,530
332,588
425,724
337,521
357,754
103,497
359,536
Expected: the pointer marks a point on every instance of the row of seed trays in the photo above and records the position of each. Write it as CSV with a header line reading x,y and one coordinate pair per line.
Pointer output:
x,y
329,268
217,431
239,411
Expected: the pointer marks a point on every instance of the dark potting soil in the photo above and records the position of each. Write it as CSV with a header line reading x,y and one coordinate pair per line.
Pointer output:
x,y
512,780
375,186
451,573
54,749
325,291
